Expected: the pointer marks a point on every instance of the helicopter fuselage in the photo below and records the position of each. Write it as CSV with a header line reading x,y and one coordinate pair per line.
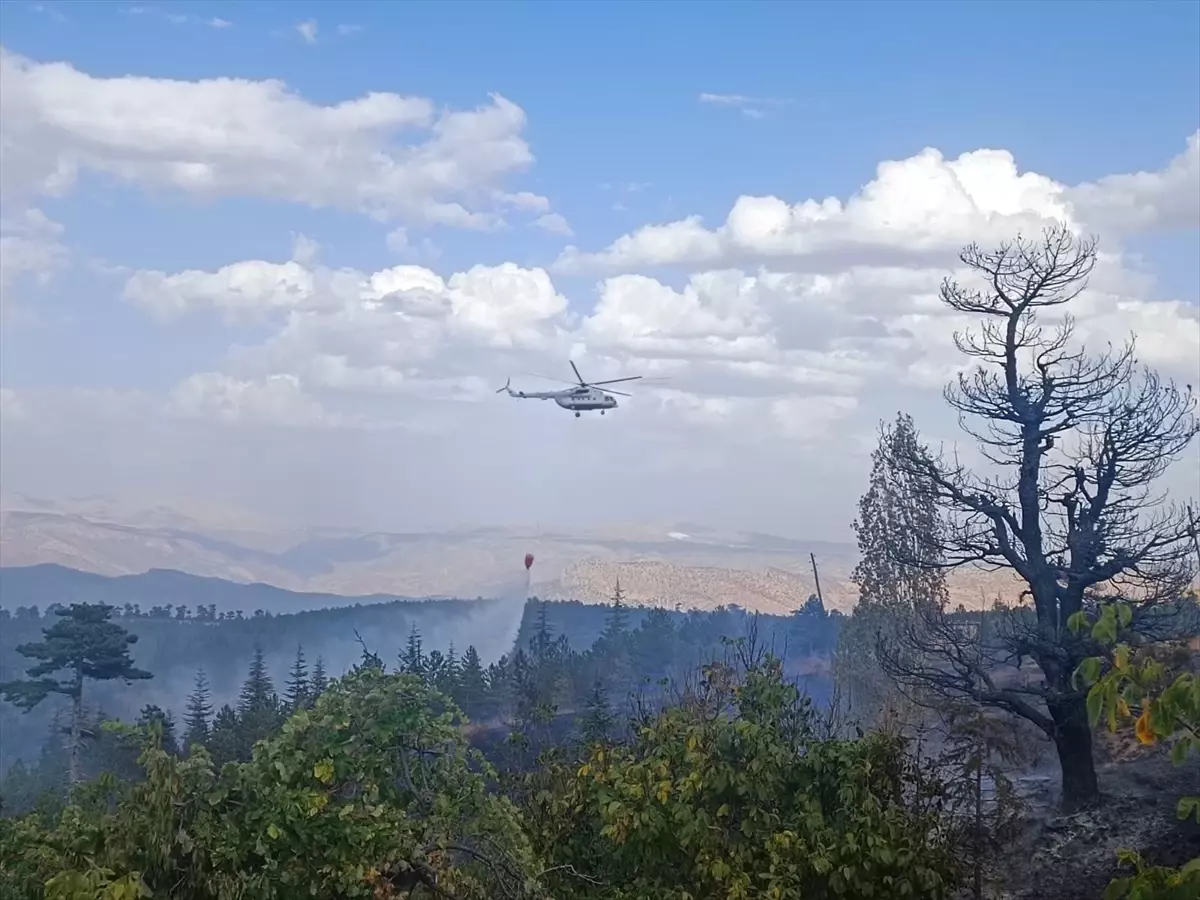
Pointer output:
x,y
581,400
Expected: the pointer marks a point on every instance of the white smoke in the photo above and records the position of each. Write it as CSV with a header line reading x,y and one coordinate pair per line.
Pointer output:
x,y
493,629
491,625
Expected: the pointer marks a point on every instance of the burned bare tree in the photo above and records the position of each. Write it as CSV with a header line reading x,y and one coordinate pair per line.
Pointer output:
x,y
1074,444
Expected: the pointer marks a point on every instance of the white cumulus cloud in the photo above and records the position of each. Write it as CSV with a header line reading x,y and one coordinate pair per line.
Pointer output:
x,y
914,210
384,154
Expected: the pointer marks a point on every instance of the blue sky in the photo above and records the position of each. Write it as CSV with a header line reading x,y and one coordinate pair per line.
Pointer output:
x,y
1075,91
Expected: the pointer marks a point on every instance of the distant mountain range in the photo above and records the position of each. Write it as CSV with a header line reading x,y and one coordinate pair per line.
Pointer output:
x,y
686,566
47,583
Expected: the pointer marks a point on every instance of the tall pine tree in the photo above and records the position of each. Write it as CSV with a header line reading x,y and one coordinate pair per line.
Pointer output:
x,y
412,657
199,713
616,623
900,531
612,651
471,692
258,705
319,681
451,672
295,697
83,645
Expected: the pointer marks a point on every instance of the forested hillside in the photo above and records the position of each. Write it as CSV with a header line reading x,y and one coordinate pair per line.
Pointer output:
x,y
176,641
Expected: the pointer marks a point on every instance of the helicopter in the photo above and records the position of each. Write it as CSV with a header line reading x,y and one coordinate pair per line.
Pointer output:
x,y
586,397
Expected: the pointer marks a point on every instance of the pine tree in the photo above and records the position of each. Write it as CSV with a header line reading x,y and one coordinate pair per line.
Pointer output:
x,y
224,742
541,643
616,624
809,627
155,717
898,524
435,667
471,692
596,725
199,713
258,705
412,658
296,693
531,710
82,645
318,683
258,691
613,649
654,643
451,673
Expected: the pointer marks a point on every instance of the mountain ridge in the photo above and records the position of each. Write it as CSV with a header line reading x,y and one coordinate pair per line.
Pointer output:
x,y
657,565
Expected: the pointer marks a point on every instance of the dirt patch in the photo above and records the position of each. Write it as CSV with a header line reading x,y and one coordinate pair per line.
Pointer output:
x,y
1073,857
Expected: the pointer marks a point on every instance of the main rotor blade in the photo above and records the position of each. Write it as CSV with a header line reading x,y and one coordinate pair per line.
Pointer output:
x,y
577,375
621,393
617,380
548,378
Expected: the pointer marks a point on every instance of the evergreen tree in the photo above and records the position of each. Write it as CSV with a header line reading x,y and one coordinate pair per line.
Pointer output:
x,y
318,683
155,717
899,530
412,658
451,673
616,624
224,742
612,648
258,705
199,712
82,645
530,710
654,645
471,690
541,643
810,630
296,693
435,668
596,725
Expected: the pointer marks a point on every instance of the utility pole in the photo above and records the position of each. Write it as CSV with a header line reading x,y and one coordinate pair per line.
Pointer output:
x,y
817,578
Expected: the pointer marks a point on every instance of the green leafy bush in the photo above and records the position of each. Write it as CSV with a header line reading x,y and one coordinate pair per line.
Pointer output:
x,y
729,795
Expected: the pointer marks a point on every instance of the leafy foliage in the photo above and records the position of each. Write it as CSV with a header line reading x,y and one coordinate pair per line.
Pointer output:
x,y
1131,682
728,794
370,794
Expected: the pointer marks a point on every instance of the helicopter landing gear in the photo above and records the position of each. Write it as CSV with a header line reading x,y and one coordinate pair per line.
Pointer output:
x,y
577,415
601,412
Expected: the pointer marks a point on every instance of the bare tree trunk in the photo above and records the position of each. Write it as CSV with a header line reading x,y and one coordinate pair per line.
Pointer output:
x,y
1073,741
977,886
76,730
